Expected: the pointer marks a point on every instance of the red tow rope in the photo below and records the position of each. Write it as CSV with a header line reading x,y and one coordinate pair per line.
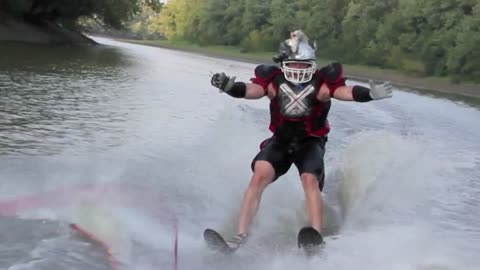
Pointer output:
x,y
113,262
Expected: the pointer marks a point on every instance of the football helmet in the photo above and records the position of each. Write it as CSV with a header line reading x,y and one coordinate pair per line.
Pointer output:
x,y
298,60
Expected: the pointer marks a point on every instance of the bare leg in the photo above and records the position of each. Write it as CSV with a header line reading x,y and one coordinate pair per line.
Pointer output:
x,y
262,177
314,202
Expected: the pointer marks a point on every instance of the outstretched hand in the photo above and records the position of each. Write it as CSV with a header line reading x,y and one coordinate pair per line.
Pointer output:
x,y
380,91
222,81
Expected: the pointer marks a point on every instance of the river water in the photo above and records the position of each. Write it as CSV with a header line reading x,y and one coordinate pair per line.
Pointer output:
x,y
133,144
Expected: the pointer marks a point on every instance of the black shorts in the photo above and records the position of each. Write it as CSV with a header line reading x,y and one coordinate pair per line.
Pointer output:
x,y
307,155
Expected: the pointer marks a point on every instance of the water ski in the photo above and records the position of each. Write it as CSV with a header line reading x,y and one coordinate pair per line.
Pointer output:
x,y
309,240
216,242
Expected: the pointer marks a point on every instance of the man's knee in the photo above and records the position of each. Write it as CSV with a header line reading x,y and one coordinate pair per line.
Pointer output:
x,y
263,174
311,181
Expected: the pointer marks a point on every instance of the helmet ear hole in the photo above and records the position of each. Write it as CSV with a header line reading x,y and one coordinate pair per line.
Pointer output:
x,y
284,48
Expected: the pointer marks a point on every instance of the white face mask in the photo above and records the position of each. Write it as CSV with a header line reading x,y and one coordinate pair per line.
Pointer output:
x,y
298,75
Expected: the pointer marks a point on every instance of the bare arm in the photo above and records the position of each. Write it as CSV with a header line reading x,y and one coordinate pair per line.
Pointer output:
x,y
254,91
335,87
344,93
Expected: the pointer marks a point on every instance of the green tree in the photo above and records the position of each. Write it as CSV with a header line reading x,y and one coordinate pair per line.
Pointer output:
x,y
282,18
427,37
362,28
144,23
256,15
213,23
464,57
67,12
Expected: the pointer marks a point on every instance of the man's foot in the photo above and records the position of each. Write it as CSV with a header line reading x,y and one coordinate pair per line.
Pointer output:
x,y
237,240
310,240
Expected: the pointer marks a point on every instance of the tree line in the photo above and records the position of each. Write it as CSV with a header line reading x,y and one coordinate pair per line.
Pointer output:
x,y
67,13
425,37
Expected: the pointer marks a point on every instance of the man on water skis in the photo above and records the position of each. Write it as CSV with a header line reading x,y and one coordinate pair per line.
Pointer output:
x,y
300,98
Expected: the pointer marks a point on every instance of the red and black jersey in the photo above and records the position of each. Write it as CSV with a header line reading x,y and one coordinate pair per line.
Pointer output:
x,y
295,111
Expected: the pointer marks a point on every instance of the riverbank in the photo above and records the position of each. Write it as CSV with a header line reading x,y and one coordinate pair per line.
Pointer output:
x,y
15,30
429,85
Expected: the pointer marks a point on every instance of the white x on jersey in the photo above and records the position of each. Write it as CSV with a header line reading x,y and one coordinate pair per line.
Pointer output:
x,y
295,103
